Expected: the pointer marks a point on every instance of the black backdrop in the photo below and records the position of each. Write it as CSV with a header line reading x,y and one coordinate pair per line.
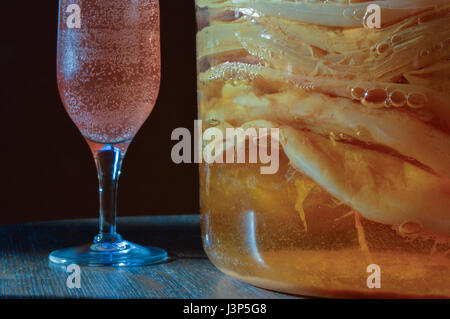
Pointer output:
x,y
47,169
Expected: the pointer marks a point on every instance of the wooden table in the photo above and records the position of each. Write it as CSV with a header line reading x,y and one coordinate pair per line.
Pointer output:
x,y
26,272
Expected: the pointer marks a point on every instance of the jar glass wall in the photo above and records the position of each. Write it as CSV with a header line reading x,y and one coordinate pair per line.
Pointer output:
x,y
360,96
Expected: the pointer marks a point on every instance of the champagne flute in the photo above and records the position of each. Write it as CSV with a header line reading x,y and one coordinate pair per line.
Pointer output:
x,y
108,70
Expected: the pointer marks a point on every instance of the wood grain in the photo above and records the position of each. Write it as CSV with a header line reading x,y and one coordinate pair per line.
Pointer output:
x,y
25,271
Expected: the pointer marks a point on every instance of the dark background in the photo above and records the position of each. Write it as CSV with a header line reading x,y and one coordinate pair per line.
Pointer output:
x,y
47,169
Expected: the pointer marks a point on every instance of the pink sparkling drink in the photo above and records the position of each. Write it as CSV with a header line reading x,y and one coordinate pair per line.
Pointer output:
x,y
109,68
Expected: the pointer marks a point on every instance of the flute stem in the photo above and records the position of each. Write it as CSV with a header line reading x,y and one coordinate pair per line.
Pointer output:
x,y
109,162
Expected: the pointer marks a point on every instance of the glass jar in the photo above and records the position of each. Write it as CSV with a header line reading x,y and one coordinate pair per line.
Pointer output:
x,y
359,90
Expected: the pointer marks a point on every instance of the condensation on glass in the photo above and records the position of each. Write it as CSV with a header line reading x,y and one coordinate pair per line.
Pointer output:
x,y
364,121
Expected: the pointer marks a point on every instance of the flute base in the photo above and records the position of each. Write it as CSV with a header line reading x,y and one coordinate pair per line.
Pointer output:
x,y
118,254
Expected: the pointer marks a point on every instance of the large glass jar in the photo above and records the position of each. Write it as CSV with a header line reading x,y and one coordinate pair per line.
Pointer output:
x,y
360,204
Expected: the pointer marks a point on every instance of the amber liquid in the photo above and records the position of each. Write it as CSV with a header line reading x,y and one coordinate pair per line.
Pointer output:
x,y
363,191
109,69
253,231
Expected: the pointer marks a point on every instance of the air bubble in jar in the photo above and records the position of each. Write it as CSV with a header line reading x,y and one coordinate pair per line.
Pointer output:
x,y
357,93
397,98
409,228
375,97
416,100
